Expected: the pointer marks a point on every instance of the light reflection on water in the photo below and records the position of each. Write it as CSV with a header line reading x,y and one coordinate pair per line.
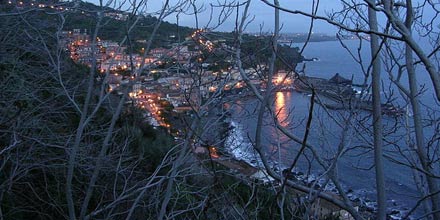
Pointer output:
x,y
281,110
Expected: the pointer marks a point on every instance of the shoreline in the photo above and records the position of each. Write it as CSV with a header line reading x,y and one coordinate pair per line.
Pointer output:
x,y
235,148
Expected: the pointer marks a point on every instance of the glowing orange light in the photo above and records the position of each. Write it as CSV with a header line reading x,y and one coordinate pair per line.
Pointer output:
x,y
280,108
213,152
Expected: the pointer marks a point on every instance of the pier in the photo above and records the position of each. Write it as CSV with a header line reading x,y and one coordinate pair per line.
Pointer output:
x,y
337,93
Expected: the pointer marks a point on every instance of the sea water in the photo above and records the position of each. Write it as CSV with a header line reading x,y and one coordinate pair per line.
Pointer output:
x,y
356,164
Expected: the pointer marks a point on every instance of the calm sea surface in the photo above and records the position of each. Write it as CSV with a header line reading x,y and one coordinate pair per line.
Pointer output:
x,y
355,167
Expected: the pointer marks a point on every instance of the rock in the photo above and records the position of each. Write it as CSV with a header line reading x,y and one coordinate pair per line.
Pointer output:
x,y
394,212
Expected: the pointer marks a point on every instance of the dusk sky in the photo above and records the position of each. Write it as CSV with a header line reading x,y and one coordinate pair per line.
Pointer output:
x,y
263,16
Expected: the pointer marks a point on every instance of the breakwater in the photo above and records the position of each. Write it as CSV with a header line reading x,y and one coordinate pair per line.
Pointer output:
x,y
338,94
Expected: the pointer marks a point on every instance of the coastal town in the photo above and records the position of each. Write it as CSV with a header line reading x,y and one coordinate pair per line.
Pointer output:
x,y
165,74
159,78
162,77
121,109
161,85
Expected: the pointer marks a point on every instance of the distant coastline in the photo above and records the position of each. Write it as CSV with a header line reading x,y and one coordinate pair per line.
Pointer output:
x,y
287,38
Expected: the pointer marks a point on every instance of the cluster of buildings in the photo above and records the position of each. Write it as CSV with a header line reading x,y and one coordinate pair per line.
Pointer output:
x,y
185,82
111,56
63,5
151,83
60,5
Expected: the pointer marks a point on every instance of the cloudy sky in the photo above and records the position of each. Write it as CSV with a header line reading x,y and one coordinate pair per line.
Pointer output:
x,y
263,15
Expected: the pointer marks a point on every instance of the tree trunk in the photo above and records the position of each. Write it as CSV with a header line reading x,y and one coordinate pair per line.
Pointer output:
x,y
377,116
417,116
